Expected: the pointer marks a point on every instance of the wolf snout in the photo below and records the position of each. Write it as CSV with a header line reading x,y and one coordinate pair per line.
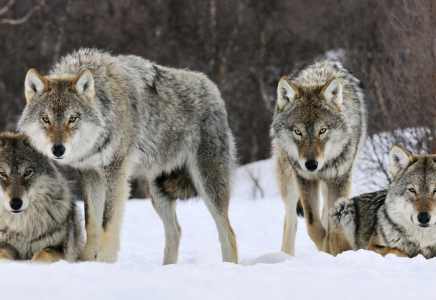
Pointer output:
x,y
16,203
311,165
58,150
424,218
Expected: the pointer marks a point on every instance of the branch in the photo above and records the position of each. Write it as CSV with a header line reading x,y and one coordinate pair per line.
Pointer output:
x,y
26,17
6,7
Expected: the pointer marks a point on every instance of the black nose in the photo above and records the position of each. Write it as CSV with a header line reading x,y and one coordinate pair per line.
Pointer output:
x,y
16,203
424,217
311,165
58,150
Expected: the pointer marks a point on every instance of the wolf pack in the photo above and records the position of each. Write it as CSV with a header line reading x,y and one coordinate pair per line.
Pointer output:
x,y
116,118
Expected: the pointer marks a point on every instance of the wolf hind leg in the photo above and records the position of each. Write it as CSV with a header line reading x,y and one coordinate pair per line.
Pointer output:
x,y
165,207
212,181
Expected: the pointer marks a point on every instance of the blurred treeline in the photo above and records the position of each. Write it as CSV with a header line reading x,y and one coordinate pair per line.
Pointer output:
x,y
244,46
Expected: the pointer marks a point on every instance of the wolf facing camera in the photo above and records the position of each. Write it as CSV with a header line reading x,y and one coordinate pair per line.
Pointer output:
x,y
400,220
318,130
38,219
121,117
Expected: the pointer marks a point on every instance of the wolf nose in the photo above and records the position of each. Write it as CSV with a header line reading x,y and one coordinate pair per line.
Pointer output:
x,y
311,165
58,150
424,217
16,203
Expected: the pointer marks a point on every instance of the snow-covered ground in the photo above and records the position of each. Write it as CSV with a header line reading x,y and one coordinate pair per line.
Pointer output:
x,y
264,272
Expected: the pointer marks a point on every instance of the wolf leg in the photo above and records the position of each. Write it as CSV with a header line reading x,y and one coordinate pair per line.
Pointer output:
x,y
290,195
211,177
166,209
309,194
117,192
48,256
336,241
94,190
8,252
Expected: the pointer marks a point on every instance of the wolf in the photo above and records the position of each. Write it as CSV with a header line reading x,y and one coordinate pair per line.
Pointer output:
x,y
318,130
38,219
120,117
400,220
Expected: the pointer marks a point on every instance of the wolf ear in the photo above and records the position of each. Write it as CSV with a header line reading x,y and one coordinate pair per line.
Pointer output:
x,y
332,92
84,84
33,84
399,159
286,92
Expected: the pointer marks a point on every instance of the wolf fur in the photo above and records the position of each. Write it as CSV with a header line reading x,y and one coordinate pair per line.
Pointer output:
x,y
118,117
318,130
38,219
400,220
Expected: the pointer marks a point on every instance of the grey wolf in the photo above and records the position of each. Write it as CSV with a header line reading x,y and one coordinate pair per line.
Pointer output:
x,y
120,117
318,130
38,219
400,220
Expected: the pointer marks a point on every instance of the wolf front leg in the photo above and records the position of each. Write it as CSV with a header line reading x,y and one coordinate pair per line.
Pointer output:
x,y
290,194
377,245
117,192
309,195
94,192
335,241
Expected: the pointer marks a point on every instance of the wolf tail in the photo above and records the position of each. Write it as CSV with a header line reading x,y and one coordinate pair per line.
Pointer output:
x,y
343,214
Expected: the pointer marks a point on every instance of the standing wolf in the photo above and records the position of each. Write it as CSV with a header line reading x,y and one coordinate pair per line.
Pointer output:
x,y
117,117
400,220
317,132
38,219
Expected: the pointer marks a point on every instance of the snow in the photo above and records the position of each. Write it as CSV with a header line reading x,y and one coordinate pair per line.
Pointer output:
x,y
264,272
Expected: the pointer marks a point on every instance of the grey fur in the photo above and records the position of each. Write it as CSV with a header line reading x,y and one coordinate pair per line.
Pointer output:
x,y
320,115
144,120
386,220
50,220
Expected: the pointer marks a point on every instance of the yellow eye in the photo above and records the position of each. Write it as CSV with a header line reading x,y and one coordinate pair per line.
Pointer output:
x,y
46,120
412,190
297,131
323,130
73,119
28,173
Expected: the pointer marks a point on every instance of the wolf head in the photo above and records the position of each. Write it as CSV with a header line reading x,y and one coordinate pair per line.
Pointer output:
x,y
61,114
412,194
309,123
25,174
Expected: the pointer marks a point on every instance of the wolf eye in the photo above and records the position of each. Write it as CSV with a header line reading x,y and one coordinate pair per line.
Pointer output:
x,y
28,173
297,131
46,120
73,119
412,190
323,130
3,174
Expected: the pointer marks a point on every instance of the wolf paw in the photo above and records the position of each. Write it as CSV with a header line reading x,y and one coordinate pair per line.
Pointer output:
x,y
46,257
4,255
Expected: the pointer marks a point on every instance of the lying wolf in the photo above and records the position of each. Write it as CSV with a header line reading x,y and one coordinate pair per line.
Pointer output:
x,y
400,220
119,117
317,132
38,219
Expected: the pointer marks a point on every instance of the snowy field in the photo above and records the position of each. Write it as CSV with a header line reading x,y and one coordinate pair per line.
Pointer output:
x,y
264,273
